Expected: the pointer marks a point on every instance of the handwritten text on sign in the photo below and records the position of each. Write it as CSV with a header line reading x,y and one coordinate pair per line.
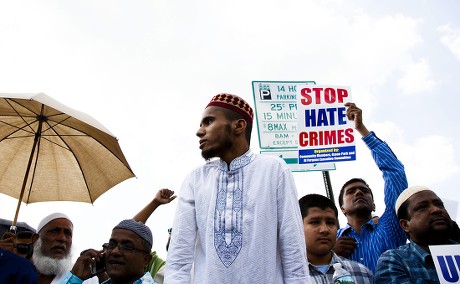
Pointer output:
x,y
325,134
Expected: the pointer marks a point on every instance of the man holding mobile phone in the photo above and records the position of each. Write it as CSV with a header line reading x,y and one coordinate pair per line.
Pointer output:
x,y
125,256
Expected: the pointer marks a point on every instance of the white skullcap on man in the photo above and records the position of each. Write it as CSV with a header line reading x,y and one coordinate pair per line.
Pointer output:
x,y
407,193
50,218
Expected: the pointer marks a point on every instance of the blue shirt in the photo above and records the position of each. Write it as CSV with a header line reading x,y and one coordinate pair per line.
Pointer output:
x,y
16,269
407,264
387,234
360,273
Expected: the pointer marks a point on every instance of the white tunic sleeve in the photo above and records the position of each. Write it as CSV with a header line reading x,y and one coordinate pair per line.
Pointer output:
x,y
183,237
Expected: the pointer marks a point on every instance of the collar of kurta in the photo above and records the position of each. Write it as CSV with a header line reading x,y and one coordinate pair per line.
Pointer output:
x,y
238,162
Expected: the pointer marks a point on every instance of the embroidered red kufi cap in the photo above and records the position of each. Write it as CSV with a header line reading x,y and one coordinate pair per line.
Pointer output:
x,y
234,103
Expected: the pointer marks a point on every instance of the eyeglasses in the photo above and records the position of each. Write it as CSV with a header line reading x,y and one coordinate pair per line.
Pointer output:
x,y
123,248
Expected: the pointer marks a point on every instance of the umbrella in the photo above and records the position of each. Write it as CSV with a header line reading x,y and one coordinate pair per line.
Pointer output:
x,y
50,152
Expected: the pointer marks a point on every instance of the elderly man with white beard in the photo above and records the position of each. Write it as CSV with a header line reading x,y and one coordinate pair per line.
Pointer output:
x,y
52,247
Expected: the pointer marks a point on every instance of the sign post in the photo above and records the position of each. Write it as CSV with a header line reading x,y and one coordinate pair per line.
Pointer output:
x,y
276,105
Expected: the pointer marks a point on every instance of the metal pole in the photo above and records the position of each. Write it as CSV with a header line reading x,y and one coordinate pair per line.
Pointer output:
x,y
328,187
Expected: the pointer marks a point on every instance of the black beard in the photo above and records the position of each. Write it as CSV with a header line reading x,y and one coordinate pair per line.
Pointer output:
x,y
227,143
216,152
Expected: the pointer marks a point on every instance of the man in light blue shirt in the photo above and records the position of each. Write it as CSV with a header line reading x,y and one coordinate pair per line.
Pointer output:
x,y
124,257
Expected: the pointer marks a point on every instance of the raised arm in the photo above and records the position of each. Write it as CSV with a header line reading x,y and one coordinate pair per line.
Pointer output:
x,y
163,196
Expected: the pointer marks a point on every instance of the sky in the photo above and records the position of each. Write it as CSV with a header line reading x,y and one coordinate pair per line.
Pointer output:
x,y
147,69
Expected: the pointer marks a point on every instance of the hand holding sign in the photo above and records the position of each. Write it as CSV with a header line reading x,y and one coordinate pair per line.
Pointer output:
x,y
324,132
356,114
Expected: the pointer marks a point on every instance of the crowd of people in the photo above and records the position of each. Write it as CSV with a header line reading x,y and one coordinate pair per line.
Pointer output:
x,y
239,220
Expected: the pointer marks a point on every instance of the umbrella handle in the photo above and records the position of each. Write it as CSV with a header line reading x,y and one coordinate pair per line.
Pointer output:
x,y
26,176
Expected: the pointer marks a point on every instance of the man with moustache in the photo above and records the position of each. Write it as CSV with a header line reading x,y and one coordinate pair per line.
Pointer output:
x,y
237,218
52,247
362,239
125,256
424,218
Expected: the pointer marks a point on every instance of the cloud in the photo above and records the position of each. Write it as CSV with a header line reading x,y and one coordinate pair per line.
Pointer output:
x,y
451,38
416,78
429,160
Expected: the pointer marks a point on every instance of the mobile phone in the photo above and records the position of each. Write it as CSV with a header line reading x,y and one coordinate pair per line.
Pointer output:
x,y
100,265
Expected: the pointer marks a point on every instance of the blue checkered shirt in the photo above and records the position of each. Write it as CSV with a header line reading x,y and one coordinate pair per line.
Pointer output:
x,y
407,264
387,234
360,273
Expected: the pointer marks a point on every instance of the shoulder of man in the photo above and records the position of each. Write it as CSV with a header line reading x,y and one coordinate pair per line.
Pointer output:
x,y
403,252
354,265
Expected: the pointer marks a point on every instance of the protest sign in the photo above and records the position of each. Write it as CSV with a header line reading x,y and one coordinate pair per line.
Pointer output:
x,y
325,135
446,259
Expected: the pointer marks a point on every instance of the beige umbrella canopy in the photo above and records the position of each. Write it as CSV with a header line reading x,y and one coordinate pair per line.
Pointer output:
x,y
50,152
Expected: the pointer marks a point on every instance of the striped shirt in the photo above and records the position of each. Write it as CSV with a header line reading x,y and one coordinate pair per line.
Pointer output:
x,y
387,234
407,264
360,273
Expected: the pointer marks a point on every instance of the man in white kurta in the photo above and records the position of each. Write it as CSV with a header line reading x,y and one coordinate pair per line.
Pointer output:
x,y
237,221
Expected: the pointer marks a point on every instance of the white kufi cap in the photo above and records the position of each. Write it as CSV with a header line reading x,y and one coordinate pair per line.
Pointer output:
x,y
50,218
407,193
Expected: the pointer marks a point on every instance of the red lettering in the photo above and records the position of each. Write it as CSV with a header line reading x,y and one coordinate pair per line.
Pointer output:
x,y
330,137
350,137
317,95
305,92
314,139
340,137
303,139
326,137
342,93
329,95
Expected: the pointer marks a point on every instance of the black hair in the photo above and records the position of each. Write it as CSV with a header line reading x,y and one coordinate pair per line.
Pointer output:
x,y
25,234
353,180
455,232
147,247
233,115
316,200
403,213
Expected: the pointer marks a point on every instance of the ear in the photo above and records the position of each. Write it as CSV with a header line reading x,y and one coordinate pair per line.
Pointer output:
x,y
373,207
34,238
240,126
343,210
405,224
147,259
